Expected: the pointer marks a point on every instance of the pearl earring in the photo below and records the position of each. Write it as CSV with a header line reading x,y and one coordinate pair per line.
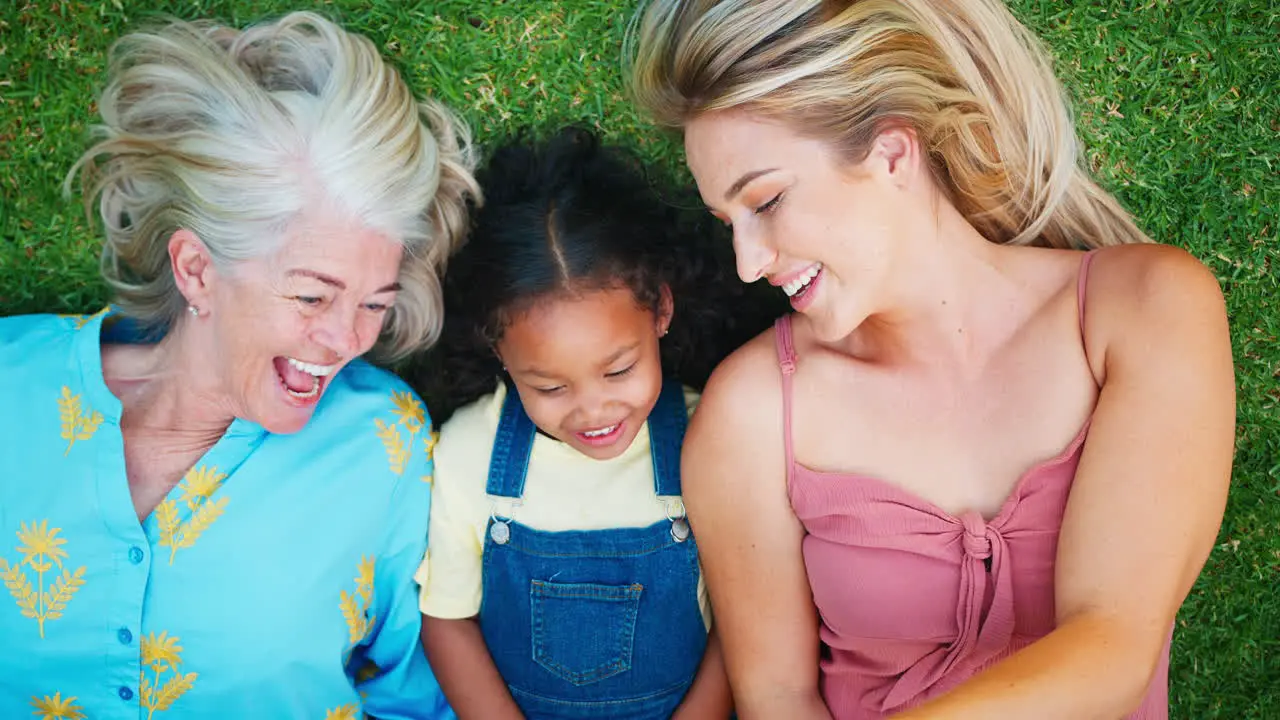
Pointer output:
x,y
195,311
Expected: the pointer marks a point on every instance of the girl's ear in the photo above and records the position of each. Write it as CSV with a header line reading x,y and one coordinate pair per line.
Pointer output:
x,y
666,310
493,348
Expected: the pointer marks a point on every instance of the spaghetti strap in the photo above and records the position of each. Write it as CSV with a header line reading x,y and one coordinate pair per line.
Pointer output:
x,y
1082,283
787,363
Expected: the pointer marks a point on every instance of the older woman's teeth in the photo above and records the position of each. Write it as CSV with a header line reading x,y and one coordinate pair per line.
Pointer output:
x,y
803,281
310,369
315,388
601,432
315,371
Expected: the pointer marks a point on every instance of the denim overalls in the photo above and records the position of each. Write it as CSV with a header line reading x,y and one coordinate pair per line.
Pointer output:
x,y
599,623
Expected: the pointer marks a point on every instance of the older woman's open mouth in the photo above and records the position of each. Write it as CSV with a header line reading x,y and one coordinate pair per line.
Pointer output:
x,y
300,379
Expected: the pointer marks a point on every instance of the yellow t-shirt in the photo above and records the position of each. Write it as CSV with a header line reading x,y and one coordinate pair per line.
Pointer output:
x,y
564,490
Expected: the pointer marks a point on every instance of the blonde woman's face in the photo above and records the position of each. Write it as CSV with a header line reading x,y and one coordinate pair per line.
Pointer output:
x,y
809,222
288,322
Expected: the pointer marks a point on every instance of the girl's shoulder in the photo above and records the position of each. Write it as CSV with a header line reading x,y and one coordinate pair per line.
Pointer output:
x,y
691,399
466,439
477,418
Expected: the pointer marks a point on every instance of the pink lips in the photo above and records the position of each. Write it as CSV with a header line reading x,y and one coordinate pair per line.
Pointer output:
x,y
294,400
602,440
804,298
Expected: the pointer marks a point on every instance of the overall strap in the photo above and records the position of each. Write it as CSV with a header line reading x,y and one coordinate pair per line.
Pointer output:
x,y
667,423
509,461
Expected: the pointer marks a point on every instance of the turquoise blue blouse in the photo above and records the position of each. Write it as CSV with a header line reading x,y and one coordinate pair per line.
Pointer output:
x,y
274,581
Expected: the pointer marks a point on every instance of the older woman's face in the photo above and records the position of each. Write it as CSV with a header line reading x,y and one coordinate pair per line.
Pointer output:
x,y
288,322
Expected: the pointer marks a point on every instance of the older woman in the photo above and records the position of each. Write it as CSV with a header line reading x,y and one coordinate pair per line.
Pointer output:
x,y
214,507
980,467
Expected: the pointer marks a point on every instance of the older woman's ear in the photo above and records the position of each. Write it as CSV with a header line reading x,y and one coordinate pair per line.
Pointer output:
x,y
193,271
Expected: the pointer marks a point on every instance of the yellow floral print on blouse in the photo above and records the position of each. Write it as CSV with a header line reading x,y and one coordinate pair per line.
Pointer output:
x,y
346,712
78,423
197,489
355,606
410,417
57,708
162,657
429,445
79,321
41,550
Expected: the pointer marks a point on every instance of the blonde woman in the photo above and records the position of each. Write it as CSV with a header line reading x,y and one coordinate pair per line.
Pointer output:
x,y
976,472
213,506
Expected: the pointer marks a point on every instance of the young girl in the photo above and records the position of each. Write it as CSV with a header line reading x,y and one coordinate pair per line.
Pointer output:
x,y
563,580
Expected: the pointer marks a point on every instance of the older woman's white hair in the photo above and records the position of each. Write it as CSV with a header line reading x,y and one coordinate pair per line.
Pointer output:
x,y
229,133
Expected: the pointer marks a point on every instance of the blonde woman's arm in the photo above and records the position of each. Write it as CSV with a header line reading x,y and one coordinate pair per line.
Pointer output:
x,y
749,539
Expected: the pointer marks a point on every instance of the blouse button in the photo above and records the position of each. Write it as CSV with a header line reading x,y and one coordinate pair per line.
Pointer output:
x,y
124,636
135,555
125,693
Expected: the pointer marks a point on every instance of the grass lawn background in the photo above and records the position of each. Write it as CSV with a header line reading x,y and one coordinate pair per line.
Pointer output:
x,y
1176,102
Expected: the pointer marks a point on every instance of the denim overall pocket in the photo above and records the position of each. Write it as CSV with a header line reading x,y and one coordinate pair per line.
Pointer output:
x,y
584,632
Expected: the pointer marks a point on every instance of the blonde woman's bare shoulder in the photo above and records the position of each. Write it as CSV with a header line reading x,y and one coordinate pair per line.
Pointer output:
x,y
1144,278
735,436
1137,293
735,441
746,385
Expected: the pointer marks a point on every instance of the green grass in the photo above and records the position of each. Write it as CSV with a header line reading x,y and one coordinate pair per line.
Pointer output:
x,y
1177,104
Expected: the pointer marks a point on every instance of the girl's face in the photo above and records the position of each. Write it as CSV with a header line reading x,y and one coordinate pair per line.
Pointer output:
x,y
587,366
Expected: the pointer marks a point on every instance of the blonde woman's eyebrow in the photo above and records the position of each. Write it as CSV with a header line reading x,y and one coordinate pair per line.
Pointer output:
x,y
741,182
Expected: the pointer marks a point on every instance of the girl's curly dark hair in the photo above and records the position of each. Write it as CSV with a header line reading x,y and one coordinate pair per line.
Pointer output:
x,y
571,213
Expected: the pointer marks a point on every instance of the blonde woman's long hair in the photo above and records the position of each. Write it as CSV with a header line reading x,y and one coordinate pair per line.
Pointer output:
x,y
974,84
230,133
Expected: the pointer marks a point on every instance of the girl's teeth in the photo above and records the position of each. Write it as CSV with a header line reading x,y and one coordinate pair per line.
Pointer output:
x,y
311,369
598,433
803,281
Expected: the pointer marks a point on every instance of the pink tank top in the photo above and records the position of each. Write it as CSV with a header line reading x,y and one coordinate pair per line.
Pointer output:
x,y
913,600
